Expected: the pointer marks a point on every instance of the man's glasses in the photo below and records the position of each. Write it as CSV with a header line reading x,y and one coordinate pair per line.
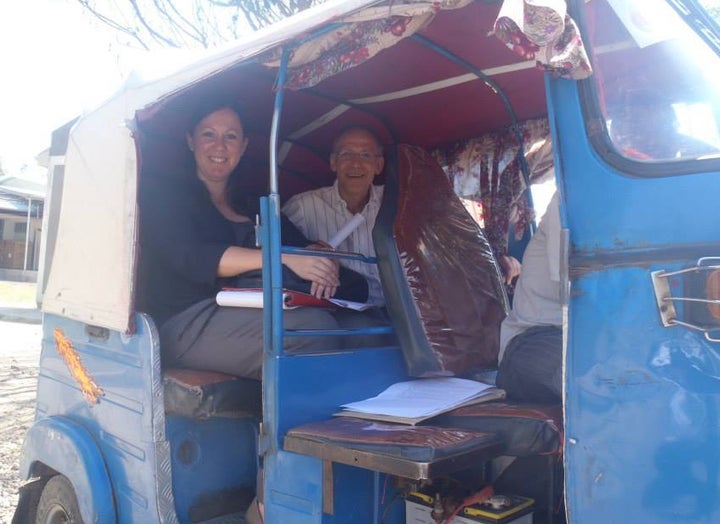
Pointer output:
x,y
364,156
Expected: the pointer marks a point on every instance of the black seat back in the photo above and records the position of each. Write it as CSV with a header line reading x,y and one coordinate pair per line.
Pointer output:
x,y
443,288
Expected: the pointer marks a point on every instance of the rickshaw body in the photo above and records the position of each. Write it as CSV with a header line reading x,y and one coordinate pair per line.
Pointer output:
x,y
640,351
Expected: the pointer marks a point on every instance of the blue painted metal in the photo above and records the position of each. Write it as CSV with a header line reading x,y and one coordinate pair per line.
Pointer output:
x,y
313,386
210,457
340,255
310,388
67,447
127,423
379,330
642,401
127,463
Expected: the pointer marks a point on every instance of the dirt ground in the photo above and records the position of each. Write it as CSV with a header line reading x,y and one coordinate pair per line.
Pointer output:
x,y
19,354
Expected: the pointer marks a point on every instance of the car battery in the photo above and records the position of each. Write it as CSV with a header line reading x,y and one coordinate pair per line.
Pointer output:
x,y
498,509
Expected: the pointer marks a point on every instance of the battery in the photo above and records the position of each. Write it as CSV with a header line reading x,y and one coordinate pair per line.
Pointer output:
x,y
499,509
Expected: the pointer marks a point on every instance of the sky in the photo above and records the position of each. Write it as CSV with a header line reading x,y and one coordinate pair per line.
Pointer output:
x,y
55,62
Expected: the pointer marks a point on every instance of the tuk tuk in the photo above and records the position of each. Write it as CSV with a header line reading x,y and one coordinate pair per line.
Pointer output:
x,y
618,102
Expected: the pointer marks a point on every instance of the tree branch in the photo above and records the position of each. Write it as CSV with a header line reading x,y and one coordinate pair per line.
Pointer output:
x,y
164,23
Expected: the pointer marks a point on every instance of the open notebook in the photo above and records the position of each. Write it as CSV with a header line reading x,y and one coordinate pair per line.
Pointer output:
x,y
413,401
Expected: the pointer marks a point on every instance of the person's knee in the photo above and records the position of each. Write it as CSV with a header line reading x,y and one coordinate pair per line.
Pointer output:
x,y
531,368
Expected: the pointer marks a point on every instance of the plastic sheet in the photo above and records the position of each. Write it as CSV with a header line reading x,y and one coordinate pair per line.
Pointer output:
x,y
443,288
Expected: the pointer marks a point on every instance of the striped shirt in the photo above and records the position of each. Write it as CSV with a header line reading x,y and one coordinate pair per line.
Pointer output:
x,y
321,213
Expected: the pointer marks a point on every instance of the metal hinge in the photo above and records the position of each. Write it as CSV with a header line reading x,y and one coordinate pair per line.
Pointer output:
x,y
666,302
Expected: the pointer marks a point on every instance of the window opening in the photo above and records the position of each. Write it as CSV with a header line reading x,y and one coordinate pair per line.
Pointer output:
x,y
653,114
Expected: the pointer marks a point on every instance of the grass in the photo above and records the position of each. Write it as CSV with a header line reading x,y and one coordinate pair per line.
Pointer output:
x,y
17,294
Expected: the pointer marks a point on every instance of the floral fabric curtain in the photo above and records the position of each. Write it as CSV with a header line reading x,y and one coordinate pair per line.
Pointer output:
x,y
542,30
487,170
358,38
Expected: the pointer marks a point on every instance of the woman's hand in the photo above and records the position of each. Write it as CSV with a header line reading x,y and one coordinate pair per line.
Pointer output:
x,y
323,273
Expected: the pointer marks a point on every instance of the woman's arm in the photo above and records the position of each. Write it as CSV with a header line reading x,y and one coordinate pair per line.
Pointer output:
x,y
322,272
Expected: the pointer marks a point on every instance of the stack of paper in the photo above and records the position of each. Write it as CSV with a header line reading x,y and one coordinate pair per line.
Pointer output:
x,y
417,400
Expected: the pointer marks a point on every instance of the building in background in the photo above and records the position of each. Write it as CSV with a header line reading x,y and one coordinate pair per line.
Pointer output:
x,y
21,211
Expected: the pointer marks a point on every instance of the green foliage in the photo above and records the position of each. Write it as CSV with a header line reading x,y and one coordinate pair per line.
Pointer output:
x,y
17,294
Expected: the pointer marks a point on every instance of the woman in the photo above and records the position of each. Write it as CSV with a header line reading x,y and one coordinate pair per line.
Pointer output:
x,y
194,242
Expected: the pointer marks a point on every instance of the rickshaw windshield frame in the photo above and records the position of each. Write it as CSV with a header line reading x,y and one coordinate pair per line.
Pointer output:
x,y
638,128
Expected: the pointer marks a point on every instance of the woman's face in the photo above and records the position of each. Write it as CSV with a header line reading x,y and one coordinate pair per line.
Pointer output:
x,y
218,143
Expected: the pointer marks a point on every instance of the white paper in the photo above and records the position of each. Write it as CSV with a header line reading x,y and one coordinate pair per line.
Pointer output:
x,y
649,23
244,298
240,299
349,304
421,397
345,231
252,298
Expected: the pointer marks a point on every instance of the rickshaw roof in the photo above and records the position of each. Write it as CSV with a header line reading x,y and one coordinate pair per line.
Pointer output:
x,y
91,274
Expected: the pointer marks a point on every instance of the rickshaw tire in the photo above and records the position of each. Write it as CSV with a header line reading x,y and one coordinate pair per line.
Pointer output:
x,y
58,503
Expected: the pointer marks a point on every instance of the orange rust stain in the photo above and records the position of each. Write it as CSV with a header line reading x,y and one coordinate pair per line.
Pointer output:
x,y
72,360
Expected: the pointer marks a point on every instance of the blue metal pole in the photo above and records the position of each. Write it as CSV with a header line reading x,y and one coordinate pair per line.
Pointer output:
x,y
492,84
269,235
273,222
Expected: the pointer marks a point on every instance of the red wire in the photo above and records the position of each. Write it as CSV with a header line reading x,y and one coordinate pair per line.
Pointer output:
x,y
476,498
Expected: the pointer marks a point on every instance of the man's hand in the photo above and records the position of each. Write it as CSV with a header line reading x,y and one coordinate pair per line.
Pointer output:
x,y
323,273
320,244
511,268
319,290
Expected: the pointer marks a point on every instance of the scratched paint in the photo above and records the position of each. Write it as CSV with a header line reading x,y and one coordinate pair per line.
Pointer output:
x,y
90,390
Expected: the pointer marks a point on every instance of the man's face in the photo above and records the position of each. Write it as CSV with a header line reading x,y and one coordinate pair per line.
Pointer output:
x,y
356,161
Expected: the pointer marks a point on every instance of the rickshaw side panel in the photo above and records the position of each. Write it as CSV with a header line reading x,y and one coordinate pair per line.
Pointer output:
x,y
299,497
127,421
645,407
640,399
312,387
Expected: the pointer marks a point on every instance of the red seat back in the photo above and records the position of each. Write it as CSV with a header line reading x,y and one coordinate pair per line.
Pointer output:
x,y
443,288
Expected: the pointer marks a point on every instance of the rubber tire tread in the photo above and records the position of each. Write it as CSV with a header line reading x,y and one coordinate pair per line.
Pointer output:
x,y
58,492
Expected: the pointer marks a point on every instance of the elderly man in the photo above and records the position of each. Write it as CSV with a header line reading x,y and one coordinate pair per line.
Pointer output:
x,y
356,160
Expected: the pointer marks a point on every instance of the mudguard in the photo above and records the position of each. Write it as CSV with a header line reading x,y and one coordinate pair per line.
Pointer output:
x,y
68,448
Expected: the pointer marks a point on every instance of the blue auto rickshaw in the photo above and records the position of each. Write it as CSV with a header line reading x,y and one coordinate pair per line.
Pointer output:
x,y
616,103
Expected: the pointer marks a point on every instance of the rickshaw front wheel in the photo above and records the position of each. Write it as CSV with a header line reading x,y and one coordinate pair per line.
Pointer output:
x,y
58,503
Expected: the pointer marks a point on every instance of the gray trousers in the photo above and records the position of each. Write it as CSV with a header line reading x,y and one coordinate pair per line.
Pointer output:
x,y
531,368
230,339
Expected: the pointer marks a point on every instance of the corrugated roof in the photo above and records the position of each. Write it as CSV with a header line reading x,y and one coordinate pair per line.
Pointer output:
x,y
22,187
13,204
